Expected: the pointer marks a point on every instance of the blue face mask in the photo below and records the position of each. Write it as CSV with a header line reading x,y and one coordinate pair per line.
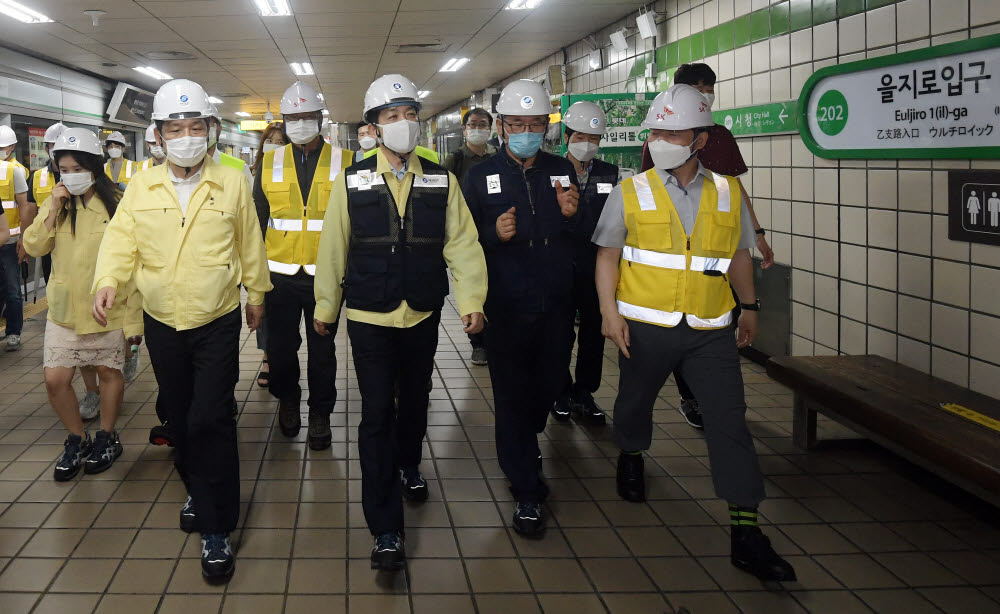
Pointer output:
x,y
525,144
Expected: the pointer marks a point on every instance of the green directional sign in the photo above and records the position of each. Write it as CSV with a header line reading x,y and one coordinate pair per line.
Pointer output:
x,y
774,118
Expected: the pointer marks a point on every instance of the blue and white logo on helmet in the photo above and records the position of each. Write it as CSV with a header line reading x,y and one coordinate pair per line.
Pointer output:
x,y
595,122
71,139
527,102
397,87
184,100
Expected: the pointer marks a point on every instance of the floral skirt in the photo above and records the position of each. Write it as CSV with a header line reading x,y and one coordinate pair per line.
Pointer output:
x,y
65,348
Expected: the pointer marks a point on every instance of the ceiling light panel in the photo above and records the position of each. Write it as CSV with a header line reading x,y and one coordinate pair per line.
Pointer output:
x,y
273,8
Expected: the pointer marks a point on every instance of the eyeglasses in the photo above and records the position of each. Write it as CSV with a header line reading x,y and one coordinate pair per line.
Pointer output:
x,y
533,127
478,125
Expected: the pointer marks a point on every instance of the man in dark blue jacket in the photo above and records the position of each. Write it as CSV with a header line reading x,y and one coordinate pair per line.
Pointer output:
x,y
585,123
524,202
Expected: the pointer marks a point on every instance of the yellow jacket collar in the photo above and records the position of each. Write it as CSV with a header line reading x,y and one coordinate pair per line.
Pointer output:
x,y
412,164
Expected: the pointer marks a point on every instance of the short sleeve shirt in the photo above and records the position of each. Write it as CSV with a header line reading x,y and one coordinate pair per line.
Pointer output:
x,y
611,230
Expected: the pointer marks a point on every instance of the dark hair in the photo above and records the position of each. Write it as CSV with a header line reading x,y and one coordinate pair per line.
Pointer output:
x,y
107,190
695,74
268,132
361,125
477,111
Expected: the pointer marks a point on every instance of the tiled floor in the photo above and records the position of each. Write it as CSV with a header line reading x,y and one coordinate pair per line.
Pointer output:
x,y
865,531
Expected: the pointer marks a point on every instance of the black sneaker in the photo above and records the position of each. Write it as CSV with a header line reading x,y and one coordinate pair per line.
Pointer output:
x,y
562,408
188,517
76,449
692,414
529,520
289,418
586,409
160,435
631,482
752,553
107,448
217,560
319,431
414,485
479,357
388,553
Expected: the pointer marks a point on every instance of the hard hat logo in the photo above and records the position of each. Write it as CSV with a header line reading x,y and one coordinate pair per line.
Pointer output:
x,y
595,122
527,102
397,87
71,139
184,100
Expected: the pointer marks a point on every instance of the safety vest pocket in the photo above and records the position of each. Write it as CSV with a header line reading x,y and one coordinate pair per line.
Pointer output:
x,y
719,234
653,230
366,277
429,214
369,215
278,198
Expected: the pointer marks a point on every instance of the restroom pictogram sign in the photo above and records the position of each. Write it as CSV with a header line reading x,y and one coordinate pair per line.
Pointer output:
x,y
974,206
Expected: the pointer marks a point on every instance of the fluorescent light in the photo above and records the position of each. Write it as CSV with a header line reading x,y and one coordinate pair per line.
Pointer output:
x,y
243,114
302,68
21,12
214,100
423,94
517,5
149,71
454,64
273,8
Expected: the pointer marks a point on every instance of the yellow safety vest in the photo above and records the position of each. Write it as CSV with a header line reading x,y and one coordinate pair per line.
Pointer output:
x,y
128,166
665,273
232,161
292,236
42,183
149,163
7,195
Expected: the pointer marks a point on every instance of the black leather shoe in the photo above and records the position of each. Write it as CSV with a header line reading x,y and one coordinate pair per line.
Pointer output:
x,y
752,553
188,517
388,553
562,408
631,482
529,520
586,410
414,485
217,559
319,431
289,418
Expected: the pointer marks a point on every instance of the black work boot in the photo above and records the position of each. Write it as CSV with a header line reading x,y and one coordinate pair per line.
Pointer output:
x,y
562,408
631,482
319,431
289,418
752,553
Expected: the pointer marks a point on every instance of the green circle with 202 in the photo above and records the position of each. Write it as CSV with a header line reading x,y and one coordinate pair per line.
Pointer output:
x,y
831,112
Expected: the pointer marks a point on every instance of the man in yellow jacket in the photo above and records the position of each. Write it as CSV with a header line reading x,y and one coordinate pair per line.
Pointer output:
x,y
188,230
393,224
672,240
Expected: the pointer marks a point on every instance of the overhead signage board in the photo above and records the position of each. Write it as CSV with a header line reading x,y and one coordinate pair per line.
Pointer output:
x,y
938,102
774,118
253,124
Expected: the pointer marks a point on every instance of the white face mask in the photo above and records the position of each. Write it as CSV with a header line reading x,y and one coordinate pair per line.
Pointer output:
x,y
187,151
709,98
6,153
367,142
302,131
114,152
400,136
477,136
584,151
77,183
270,147
668,156
156,151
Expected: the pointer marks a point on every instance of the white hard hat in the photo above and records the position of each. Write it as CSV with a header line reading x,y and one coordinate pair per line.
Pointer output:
x,y
214,111
7,136
390,91
586,117
116,137
524,97
181,99
150,137
680,107
301,98
78,139
52,132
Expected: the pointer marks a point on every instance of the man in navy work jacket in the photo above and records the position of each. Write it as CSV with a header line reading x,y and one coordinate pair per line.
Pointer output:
x,y
524,202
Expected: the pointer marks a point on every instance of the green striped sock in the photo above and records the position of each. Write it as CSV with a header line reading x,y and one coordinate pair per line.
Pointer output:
x,y
742,516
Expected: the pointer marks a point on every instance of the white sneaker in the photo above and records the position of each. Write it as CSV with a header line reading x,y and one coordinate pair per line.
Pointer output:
x,y
90,405
131,367
13,343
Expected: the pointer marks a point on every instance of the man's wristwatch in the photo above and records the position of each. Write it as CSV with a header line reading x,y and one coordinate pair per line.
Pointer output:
x,y
760,231
754,306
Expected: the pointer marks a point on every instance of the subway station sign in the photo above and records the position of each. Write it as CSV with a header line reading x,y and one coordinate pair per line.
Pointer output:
x,y
774,118
938,102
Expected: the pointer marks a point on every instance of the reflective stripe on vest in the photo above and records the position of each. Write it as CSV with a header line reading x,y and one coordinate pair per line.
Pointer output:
x,y
278,168
128,169
720,322
294,225
336,162
43,178
643,192
700,263
646,314
651,258
10,210
283,267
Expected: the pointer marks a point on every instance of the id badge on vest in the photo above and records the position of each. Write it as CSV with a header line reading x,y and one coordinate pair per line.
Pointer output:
x,y
493,184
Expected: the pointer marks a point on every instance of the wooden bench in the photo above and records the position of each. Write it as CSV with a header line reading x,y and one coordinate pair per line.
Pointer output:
x,y
899,408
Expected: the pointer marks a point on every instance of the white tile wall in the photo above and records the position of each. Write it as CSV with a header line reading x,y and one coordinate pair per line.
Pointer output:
x,y
913,19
